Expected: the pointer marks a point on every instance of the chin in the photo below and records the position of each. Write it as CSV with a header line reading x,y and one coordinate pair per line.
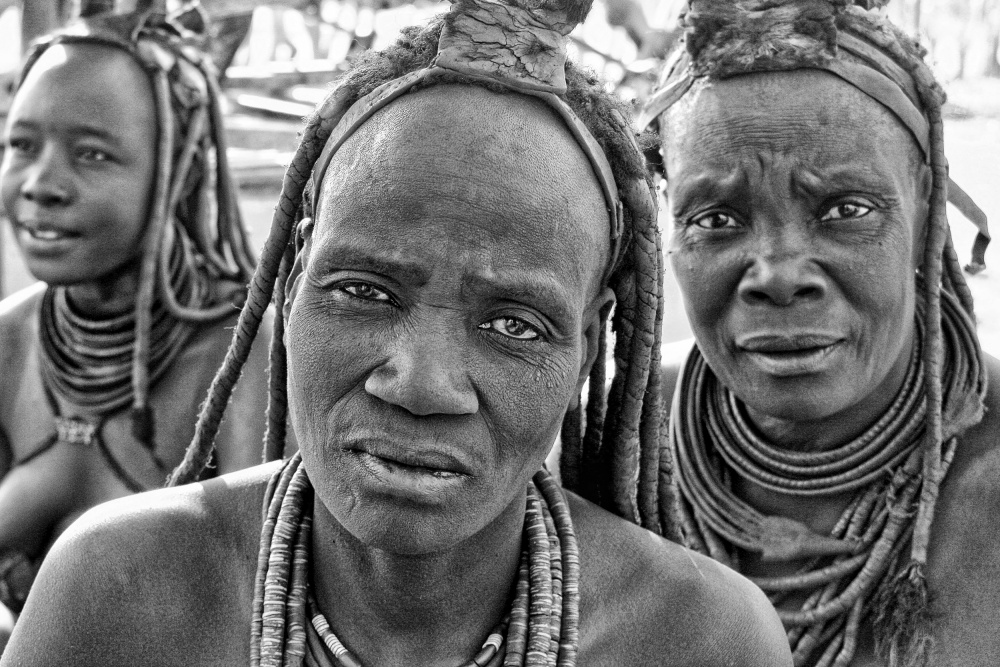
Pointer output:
x,y
408,533
57,275
801,399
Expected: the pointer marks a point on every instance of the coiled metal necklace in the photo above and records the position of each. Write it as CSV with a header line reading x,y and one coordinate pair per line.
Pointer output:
x,y
714,442
87,362
542,627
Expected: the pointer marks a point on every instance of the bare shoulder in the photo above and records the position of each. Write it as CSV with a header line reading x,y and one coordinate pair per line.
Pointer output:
x,y
645,600
18,314
672,358
172,569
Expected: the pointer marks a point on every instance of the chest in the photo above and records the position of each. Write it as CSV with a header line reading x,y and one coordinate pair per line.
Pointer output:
x,y
963,569
52,482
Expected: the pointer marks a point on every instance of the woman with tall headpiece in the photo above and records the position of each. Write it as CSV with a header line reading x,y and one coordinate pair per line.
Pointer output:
x,y
833,432
475,207
116,184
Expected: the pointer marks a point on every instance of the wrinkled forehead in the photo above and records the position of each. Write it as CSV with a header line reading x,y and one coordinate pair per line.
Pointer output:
x,y
513,137
507,158
808,113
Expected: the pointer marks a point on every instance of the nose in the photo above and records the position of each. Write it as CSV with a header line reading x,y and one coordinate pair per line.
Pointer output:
x,y
44,181
781,279
425,375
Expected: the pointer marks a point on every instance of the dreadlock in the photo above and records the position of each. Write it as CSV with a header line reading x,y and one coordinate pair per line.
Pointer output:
x,y
617,441
725,39
194,240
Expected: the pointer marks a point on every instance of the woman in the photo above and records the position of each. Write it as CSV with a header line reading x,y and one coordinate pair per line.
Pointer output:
x,y
478,206
115,182
833,432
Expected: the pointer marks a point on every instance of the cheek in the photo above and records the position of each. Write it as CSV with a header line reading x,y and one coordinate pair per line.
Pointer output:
x,y
707,281
526,403
9,184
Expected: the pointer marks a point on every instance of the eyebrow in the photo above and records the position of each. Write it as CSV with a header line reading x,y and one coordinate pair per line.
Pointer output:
x,y
346,257
711,183
818,181
538,290
74,129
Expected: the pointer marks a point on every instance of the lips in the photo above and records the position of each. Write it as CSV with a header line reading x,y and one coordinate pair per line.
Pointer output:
x,y
45,232
787,355
778,343
407,472
429,460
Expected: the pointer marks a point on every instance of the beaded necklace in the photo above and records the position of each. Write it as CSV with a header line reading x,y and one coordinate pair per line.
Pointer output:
x,y
541,630
714,442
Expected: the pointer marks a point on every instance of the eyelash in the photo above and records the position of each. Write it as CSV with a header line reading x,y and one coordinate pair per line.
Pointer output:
x,y
346,289
865,206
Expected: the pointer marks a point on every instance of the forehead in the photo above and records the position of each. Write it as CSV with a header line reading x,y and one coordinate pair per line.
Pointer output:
x,y
808,115
495,176
90,83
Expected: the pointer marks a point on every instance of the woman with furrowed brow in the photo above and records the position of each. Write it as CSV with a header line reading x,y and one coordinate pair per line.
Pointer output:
x,y
835,428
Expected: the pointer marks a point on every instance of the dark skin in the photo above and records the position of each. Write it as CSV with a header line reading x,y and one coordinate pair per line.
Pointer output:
x,y
447,319
798,225
76,188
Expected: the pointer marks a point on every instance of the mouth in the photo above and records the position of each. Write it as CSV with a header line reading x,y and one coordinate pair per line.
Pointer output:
x,y
44,232
412,463
791,355
427,473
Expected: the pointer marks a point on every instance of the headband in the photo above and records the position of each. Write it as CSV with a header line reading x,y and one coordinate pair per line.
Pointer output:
x,y
869,70
872,72
518,47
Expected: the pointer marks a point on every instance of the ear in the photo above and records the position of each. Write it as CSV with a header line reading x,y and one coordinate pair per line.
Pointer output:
x,y
303,240
303,246
595,319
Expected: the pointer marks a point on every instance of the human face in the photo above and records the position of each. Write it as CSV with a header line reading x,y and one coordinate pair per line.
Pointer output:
x,y
799,207
448,317
78,163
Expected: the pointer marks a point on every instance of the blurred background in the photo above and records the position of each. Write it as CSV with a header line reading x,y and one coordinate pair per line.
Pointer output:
x,y
279,60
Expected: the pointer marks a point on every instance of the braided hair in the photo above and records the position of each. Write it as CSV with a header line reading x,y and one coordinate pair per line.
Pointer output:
x,y
725,39
617,439
194,221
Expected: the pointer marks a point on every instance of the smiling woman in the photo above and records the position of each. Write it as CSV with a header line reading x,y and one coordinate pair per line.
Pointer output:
x,y
476,208
121,204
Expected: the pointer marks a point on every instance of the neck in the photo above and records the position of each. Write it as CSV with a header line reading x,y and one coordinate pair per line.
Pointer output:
x,y
835,430
392,609
107,296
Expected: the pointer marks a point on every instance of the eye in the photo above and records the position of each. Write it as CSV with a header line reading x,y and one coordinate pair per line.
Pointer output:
x,y
93,155
366,291
714,220
846,211
20,144
512,327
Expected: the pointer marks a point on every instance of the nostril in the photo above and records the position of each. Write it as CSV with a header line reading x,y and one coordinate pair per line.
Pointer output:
x,y
808,292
